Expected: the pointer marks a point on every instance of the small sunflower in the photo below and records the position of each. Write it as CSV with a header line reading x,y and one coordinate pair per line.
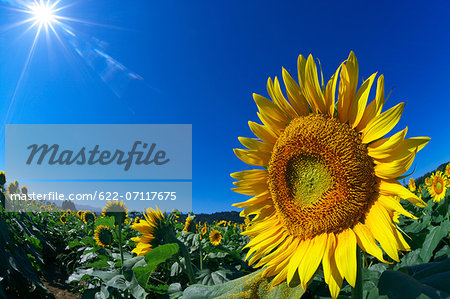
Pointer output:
x,y
428,181
116,209
438,186
412,185
88,216
215,237
12,188
63,219
204,229
151,227
103,236
24,190
68,212
188,225
327,176
80,214
447,170
136,220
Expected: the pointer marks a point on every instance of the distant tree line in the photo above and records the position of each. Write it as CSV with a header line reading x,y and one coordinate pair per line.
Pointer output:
x,y
232,216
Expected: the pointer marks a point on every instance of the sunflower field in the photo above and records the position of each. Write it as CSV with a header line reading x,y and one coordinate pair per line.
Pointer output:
x,y
166,258
330,215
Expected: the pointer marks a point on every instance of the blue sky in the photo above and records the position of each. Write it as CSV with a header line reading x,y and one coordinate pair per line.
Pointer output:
x,y
192,62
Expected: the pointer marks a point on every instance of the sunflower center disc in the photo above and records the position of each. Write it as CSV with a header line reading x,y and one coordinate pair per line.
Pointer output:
x,y
307,178
321,177
438,187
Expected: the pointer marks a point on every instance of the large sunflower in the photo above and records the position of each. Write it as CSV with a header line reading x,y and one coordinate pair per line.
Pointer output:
x,y
328,176
438,186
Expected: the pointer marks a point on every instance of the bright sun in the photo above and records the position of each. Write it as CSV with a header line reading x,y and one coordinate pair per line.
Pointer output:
x,y
43,13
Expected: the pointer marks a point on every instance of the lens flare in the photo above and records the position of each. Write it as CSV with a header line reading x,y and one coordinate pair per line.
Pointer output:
x,y
43,13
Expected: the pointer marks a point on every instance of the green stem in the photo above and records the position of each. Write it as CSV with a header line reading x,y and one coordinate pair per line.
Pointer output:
x,y
357,291
201,256
120,245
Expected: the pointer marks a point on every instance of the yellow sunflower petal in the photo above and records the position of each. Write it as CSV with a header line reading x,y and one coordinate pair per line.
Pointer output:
x,y
296,259
268,107
393,205
383,148
330,92
313,90
394,169
295,95
262,132
367,242
281,101
345,255
309,264
374,107
379,224
393,187
330,271
256,174
252,157
382,124
358,105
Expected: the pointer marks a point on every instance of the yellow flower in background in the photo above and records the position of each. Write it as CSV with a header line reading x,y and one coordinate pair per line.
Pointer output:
x,y
428,181
222,222
80,214
328,176
438,186
116,209
63,219
204,229
447,170
229,223
88,216
148,227
187,225
215,237
103,236
412,185
136,220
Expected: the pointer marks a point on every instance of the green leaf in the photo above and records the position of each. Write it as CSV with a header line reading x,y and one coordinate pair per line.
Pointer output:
x,y
153,258
74,243
432,240
118,282
207,277
88,241
98,264
106,221
429,279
